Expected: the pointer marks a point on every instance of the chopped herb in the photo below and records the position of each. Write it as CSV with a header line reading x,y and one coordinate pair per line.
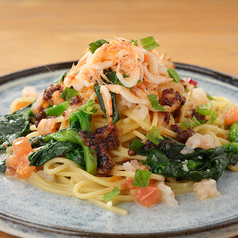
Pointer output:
x,y
154,135
124,75
155,103
173,74
204,109
139,81
136,145
89,107
96,44
210,97
149,43
141,178
68,93
60,79
109,196
213,117
193,122
57,110
187,90
202,121
186,124
134,42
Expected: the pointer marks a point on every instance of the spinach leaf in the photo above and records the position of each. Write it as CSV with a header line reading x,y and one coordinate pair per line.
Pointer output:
x,y
77,156
51,150
15,125
3,167
167,160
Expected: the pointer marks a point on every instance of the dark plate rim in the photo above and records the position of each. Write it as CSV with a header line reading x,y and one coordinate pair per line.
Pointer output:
x,y
61,230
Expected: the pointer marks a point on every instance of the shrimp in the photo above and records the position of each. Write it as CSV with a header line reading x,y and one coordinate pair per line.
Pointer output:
x,y
37,103
97,61
206,189
122,56
133,165
151,69
56,98
47,126
107,102
124,92
29,92
84,77
198,140
167,195
199,97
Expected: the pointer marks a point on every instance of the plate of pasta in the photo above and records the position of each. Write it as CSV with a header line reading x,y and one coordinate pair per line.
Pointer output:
x,y
122,142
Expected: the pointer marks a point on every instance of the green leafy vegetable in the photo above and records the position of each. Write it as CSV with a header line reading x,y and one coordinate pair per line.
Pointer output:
x,y
112,76
205,109
67,143
15,125
173,74
100,98
154,103
213,117
134,42
96,44
57,110
141,178
187,90
3,167
165,159
77,156
60,79
210,97
109,196
233,134
193,122
136,145
68,93
149,43
51,150
115,116
154,135
196,166
89,107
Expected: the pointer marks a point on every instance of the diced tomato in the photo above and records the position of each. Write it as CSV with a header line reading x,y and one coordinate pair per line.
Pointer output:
x,y
231,115
12,161
193,82
128,184
24,170
148,196
10,171
18,164
21,146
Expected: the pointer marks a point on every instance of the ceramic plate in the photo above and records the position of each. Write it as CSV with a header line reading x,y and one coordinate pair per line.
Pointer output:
x,y
26,211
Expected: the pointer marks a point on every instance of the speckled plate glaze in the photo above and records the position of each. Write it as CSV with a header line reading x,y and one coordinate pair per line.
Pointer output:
x,y
26,211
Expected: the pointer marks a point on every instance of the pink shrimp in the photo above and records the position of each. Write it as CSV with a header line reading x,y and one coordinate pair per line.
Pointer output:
x,y
198,140
47,126
206,189
30,92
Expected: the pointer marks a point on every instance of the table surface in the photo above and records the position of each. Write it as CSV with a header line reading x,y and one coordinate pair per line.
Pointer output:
x,y
33,33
